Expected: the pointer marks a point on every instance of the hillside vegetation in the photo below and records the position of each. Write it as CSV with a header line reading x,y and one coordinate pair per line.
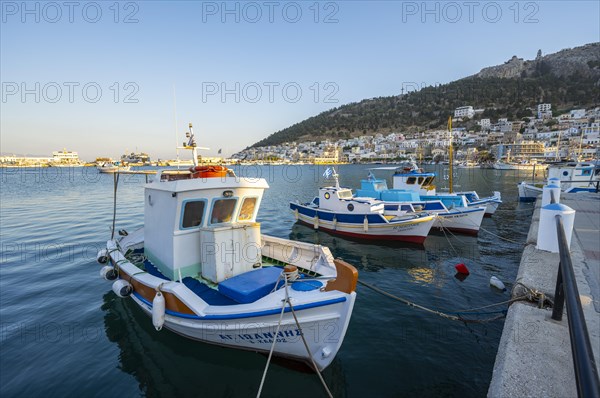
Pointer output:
x,y
567,79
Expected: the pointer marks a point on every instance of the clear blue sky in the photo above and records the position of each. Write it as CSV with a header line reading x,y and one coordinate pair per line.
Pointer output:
x,y
333,52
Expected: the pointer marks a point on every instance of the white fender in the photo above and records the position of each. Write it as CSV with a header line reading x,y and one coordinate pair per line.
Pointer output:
x,y
366,224
102,256
497,283
316,222
334,223
108,272
296,214
158,311
122,288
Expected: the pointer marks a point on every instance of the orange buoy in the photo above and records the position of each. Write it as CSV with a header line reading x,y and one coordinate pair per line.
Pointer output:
x,y
462,269
208,171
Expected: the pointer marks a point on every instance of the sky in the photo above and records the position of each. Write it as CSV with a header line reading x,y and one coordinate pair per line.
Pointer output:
x,y
103,78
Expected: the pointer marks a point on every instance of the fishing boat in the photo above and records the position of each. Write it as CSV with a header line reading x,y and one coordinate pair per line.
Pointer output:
x,y
409,177
112,167
571,177
201,268
453,212
338,211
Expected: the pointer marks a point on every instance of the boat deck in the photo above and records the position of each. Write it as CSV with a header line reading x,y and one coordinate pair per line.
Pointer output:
x,y
204,289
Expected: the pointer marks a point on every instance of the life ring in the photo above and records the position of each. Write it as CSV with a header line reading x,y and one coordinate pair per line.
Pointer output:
x,y
209,171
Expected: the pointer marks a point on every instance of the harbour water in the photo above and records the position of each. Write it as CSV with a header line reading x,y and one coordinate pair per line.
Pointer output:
x,y
63,332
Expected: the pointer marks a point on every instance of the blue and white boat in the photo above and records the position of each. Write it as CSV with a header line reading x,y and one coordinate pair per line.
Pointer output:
x,y
338,211
411,178
452,211
572,177
201,268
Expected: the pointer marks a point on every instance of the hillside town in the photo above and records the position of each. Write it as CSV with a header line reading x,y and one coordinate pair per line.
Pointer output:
x,y
543,137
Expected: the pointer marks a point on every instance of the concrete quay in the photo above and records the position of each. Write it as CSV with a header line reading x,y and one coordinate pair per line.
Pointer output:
x,y
534,356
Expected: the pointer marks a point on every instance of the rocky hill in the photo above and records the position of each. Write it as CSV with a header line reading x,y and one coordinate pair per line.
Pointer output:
x,y
510,90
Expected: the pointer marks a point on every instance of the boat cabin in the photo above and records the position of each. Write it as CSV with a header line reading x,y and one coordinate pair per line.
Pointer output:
x,y
341,200
378,189
414,180
203,226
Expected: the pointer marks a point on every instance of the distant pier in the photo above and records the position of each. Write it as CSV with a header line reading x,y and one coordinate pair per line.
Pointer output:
x,y
534,356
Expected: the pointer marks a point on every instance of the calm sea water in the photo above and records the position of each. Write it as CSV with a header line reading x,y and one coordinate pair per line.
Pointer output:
x,y
63,332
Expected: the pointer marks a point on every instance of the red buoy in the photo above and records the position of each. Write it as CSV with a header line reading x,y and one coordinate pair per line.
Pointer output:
x,y
462,269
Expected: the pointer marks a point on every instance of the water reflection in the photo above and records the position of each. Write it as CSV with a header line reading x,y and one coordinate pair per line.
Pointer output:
x,y
168,365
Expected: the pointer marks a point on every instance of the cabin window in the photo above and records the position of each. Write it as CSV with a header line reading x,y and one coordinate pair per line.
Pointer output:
x,y
350,207
420,180
247,209
380,186
193,212
411,180
345,194
222,210
428,181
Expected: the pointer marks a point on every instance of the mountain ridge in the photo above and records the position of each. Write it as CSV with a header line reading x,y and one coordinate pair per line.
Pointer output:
x,y
509,90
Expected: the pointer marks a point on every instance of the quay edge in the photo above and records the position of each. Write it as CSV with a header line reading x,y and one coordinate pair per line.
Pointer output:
x,y
534,355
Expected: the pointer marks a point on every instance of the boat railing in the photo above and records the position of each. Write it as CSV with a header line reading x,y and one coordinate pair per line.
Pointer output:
x,y
586,371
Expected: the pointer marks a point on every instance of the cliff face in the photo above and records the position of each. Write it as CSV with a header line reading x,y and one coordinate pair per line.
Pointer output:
x,y
584,60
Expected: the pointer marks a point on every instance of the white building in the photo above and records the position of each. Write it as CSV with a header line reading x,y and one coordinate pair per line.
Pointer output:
x,y
485,124
464,111
544,111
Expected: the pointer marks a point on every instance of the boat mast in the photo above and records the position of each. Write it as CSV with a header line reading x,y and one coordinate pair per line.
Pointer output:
x,y
191,144
450,157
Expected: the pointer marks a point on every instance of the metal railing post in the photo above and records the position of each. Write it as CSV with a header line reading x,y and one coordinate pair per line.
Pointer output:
x,y
559,296
586,372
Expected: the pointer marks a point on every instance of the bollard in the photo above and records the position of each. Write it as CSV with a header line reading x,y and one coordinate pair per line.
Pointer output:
x,y
546,238
547,194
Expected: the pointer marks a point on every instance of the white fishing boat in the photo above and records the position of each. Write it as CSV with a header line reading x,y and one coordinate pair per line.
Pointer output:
x,y
571,177
337,211
453,212
112,167
201,268
410,177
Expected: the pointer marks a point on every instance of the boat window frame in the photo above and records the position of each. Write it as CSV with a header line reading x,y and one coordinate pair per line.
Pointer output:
x,y
254,210
411,180
182,213
233,212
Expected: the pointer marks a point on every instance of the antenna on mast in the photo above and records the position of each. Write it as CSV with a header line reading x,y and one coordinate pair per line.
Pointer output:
x,y
175,121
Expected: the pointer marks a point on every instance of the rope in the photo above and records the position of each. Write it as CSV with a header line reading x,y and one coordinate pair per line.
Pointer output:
x,y
116,183
264,376
304,341
287,301
450,243
500,237
530,294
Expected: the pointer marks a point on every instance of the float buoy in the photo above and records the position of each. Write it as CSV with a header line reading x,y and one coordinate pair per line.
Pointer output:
x,y
102,256
108,272
209,171
122,288
462,269
158,311
497,283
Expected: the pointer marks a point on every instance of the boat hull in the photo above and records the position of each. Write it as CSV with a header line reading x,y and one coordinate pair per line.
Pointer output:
x,y
323,327
465,222
413,231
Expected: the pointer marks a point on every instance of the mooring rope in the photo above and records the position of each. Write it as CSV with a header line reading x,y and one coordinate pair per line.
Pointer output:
x,y
264,376
116,184
529,295
287,301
